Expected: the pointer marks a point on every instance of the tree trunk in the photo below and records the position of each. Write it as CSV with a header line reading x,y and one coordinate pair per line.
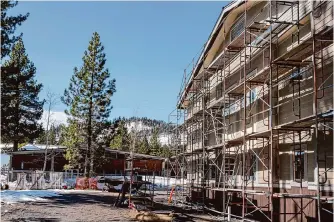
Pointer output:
x,y
15,146
17,121
91,172
90,153
89,127
47,137
86,162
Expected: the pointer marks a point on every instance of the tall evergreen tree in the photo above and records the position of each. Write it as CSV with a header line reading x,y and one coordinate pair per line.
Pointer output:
x,y
8,27
21,107
121,140
155,146
89,96
105,131
73,140
165,151
144,147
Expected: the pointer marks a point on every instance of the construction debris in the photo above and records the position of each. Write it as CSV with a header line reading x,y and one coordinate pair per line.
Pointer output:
x,y
150,216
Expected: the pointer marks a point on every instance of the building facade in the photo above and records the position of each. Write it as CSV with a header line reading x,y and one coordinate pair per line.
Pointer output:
x,y
254,122
31,157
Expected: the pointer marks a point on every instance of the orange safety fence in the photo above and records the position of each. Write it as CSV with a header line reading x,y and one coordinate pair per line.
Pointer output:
x,y
83,183
171,195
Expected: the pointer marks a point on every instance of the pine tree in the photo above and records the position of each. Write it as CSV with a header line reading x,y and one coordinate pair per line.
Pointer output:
x,y
20,105
8,27
55,135
165,151
105,132
89,96
121,141
144,147
155,146
73,140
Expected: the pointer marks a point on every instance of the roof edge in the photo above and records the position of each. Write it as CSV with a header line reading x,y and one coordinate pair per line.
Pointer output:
x,y
215,31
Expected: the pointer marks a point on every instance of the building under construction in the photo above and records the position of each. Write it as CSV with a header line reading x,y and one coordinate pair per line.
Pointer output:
x,y
254,118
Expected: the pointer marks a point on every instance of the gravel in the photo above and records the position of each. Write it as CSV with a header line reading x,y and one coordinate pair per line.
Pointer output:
x,y
70,206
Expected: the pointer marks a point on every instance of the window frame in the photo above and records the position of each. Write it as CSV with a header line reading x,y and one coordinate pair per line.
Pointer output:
x,y
231,162
297,172
213,172
239,22
304,165
252,173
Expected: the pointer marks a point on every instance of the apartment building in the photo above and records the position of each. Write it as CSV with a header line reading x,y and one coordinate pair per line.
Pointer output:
x,y
255,114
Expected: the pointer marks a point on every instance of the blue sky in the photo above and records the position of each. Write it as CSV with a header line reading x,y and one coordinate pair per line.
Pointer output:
x,y
148,45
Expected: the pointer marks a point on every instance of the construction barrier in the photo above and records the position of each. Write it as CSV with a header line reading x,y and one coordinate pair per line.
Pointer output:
x,y
83,183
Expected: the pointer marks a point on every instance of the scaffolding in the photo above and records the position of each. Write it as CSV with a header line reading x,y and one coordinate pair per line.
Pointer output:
x,y
240,114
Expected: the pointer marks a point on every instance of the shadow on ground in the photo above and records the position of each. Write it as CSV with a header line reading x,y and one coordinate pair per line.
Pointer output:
x,y
68,199
30,219
107,200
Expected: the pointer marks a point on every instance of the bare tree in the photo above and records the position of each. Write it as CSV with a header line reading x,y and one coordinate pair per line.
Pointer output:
x,y
51,100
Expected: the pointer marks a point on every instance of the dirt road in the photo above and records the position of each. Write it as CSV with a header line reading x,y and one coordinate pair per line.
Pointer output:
x,y
71,206
76,205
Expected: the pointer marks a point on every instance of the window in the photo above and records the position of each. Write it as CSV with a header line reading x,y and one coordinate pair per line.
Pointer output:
x,y
253,72
206,98
213,171
252,95
253,163
298,74
229,166
250,98
193,138
299,158
231,109
238,27
196,136
198,102
219,91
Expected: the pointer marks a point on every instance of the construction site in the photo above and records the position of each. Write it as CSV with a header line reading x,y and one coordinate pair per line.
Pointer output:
x,y
253,127
250,138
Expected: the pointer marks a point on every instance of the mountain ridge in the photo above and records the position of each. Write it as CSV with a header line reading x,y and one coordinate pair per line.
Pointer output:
x,y
144,126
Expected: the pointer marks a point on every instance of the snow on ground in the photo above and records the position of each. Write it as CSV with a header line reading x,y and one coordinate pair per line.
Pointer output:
x,y
12,185
17,196
3,178
165,138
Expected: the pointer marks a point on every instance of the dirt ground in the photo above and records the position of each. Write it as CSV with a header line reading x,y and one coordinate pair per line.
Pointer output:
x,y
75,206
71,206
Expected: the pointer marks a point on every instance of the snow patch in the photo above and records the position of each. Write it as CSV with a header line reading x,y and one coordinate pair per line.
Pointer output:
x,y
17,196
3,178
164,139
137,126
